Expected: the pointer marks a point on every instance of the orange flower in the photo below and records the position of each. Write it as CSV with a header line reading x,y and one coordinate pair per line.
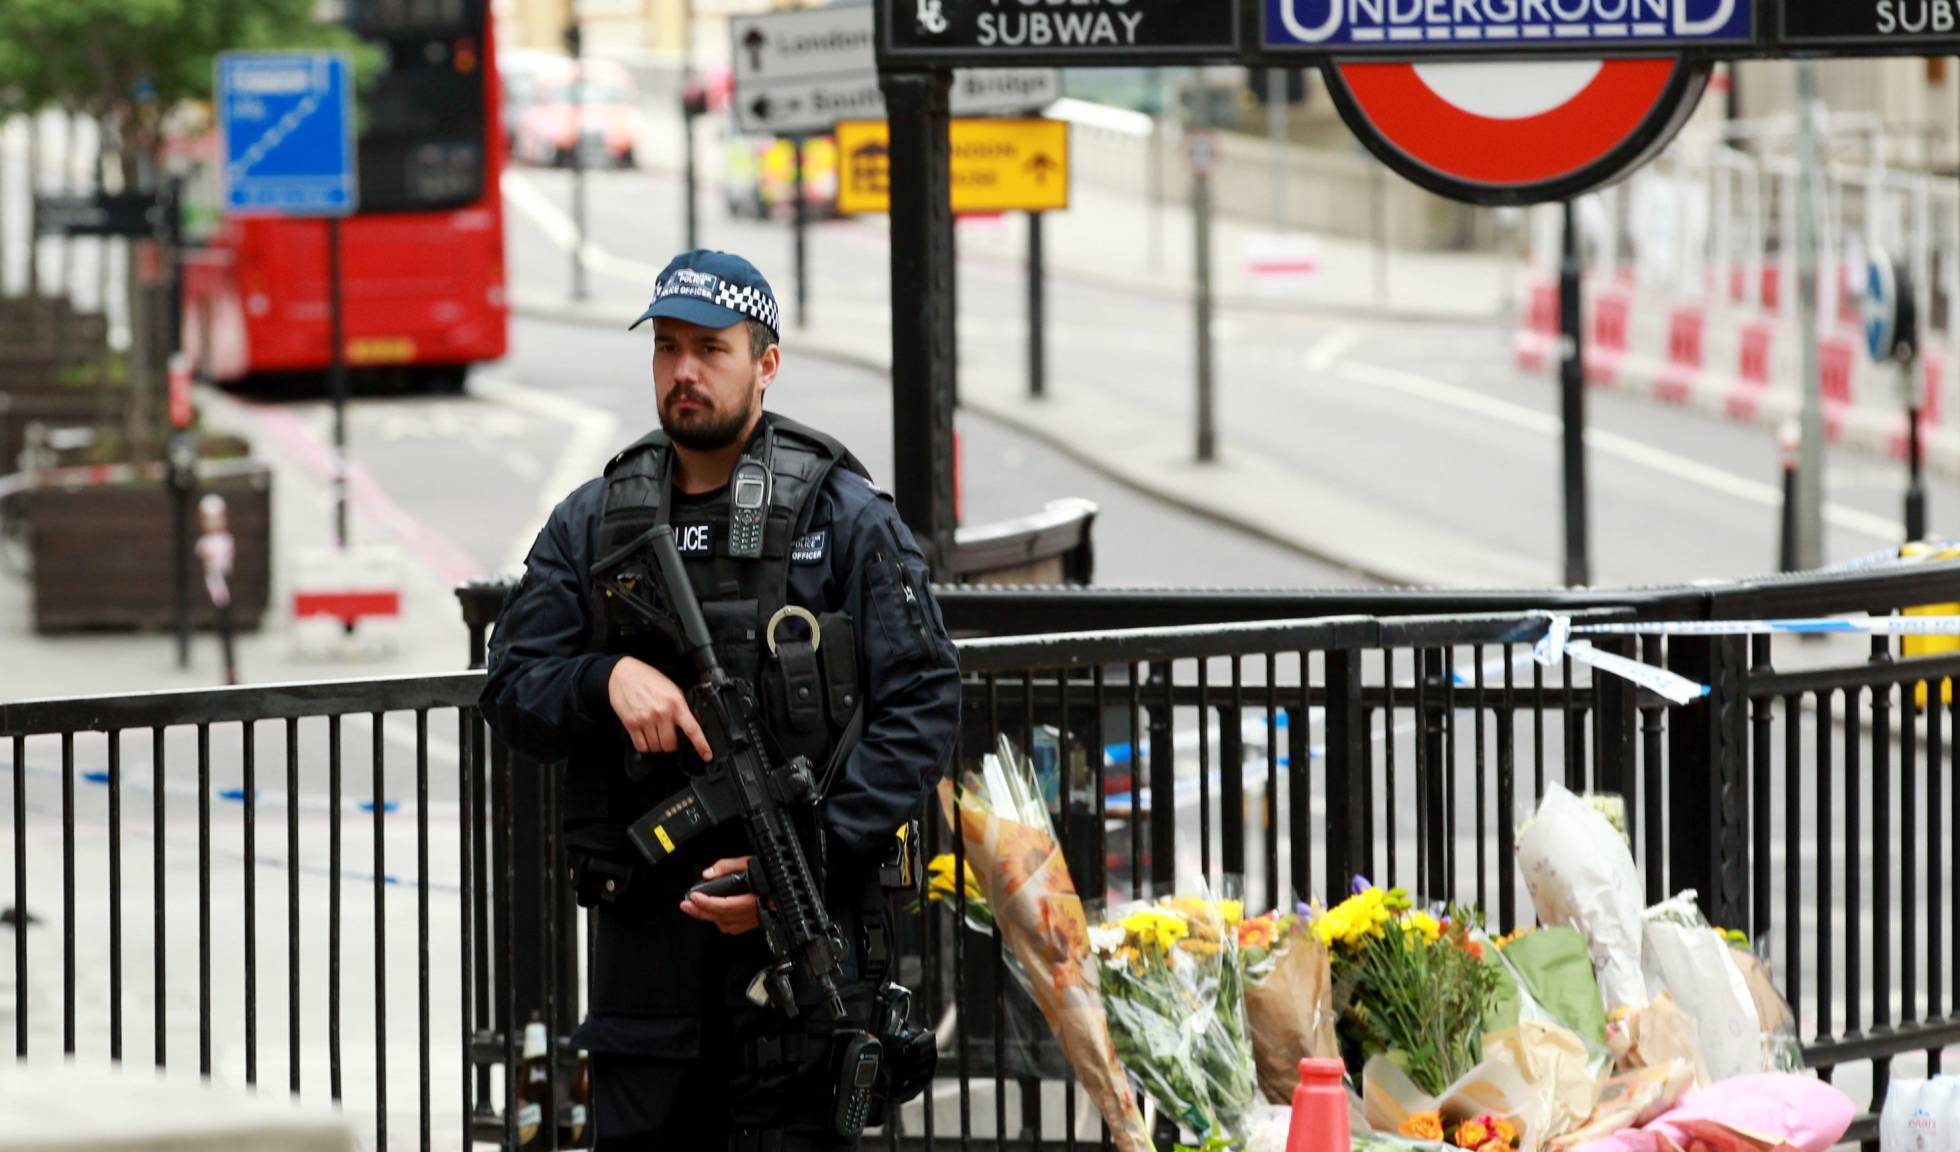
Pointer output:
x,y
1495,1145
1472,1134
1258,932
1423,1126
1506,1131
1475,949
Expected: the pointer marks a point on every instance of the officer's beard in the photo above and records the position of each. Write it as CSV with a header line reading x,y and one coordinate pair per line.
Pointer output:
x,y
704,429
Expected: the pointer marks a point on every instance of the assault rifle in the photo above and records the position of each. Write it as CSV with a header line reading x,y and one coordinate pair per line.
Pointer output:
x,y
743,782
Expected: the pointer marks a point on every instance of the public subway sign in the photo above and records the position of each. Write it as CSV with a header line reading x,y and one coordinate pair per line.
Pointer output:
x,y
1510,27
1928,26
1041,32
1504,102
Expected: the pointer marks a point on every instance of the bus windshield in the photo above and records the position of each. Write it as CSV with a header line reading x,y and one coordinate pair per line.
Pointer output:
x,y
422,118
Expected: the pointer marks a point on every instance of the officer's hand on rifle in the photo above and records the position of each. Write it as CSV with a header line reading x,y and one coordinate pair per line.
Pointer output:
x,y
734,915
654,709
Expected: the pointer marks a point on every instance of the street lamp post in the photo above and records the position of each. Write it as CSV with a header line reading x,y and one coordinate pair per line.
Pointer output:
x,y
575,44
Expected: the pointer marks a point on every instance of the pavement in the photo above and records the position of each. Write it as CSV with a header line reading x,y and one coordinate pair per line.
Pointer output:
x,y
428,637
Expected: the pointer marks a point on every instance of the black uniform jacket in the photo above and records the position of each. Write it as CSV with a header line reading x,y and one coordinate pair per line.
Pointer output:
x,y
547,696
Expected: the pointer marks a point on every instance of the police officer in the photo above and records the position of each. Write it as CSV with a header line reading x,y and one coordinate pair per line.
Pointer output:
x,y
815,592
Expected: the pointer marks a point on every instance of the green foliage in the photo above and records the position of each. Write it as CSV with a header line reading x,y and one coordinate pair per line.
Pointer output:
x,y
1421,997
129,62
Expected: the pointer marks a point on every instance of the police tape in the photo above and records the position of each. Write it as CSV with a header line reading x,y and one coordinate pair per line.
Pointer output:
x,y
1559,643
1564,639
1815,626
101,475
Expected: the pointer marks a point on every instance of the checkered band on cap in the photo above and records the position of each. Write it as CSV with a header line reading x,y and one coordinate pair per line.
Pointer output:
x,y
751,302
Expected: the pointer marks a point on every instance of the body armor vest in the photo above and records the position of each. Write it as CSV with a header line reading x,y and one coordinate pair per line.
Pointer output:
x,y
804,664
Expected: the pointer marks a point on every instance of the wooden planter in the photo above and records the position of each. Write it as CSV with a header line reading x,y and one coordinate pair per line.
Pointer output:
x,y
103,556
55,407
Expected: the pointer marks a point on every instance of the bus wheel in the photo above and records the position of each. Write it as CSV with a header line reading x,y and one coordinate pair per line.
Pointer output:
x,y
442,379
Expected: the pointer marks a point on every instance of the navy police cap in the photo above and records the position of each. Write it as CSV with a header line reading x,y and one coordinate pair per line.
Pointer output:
x,y
714,290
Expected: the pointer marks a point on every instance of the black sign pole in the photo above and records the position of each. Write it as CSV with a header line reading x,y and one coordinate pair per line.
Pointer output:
x,y
182,452
1915,480
800,230
337,372
1037,310
575,40
923,330
1906,326
693,101
1572,401
1202,159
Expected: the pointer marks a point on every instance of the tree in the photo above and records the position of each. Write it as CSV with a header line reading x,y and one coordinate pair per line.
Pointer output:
x,y
129,63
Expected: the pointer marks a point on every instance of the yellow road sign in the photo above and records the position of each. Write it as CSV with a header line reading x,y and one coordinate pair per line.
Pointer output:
x,y
998,166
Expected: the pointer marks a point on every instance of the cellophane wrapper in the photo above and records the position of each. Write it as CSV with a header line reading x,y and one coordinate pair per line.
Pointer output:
x,y
999,814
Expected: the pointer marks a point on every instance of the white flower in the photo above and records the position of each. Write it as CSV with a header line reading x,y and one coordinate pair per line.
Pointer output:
x,y
1105,939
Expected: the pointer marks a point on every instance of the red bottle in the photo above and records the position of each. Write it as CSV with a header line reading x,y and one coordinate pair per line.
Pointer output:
x,y
1320,1109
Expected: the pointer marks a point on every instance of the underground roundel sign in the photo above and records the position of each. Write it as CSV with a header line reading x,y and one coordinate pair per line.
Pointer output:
x,y
1586,90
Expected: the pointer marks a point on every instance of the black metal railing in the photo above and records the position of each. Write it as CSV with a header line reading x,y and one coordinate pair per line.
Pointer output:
x,y
193,772
1401,735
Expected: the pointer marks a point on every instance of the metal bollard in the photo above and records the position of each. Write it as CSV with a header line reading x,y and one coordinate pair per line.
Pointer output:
x,y
218,552
1786,545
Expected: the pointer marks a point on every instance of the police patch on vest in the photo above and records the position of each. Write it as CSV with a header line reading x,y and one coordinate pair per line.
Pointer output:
x,y
808,549
694,539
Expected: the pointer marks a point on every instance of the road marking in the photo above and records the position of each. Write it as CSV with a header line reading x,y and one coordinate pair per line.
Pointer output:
x,y
558,228
594,438
1332,347
1611,444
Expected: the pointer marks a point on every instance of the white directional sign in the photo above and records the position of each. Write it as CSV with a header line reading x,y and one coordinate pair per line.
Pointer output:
x,y
804,71
779,46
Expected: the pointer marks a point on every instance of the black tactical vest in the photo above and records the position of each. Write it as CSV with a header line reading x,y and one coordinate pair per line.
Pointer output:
x,y
808,682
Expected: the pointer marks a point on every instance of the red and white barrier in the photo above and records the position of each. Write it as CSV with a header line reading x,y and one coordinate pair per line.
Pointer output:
x,y
1687,354
1537,341
1755,362
337,592
1612,325
1837,360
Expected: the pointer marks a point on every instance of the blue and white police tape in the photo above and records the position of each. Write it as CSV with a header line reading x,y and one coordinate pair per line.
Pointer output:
x,y
1558,643
1564,639
1801,626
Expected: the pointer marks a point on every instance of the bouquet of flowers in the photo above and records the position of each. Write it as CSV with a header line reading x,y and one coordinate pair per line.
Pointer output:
x,y
1477,1133
1174,986
941,889
1409,982
1289,999
1023,881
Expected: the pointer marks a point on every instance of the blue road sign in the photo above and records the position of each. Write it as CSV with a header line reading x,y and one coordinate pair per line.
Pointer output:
x,y
286,122
1425,28
1891,312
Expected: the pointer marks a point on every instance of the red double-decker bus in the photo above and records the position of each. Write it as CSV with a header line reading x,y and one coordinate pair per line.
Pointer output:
x,y
422,265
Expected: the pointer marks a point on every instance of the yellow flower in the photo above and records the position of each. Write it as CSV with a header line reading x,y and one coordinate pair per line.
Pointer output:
x,y
1423,1126
1232,911
1507,1131
1506,941
1359,917
939,880
1471,1134
1151,930
1432,930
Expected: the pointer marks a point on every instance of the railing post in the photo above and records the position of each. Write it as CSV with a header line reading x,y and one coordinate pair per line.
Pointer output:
x,y
1615,709
481,601
1163,779
1708,779
1433,769
1231,785
1349,838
